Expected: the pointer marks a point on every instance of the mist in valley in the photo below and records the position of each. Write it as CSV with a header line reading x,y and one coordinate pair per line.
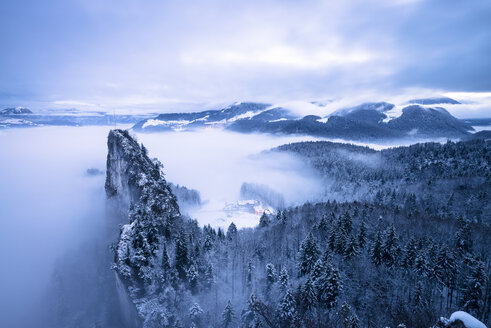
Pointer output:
x,y
217,163
57,227
53,213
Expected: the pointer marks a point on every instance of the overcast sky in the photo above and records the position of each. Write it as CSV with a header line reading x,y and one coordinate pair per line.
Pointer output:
x,y
155,54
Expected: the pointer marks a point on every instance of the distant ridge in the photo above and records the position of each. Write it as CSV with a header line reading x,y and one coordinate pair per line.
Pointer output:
x,y
15,111
434,101
367,121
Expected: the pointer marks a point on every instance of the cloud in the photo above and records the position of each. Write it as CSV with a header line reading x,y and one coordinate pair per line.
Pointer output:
x,y
131,54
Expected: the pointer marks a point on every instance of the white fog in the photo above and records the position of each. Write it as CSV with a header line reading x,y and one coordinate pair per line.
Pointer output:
x,y
52,206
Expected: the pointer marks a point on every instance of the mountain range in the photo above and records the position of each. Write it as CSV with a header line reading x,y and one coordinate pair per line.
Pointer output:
x,y
20,117
420,118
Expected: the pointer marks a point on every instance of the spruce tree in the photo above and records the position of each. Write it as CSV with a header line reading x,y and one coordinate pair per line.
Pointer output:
x,y
463,238
165,259
376,252
250,269
419,299
195,313
309,297
283,280
193,279
420,264
351,249
389,246
209,278
228,315
270,277
232,231
308,255
264,221
317,270
350,320
329,287
182,261
362,235
474,289
286,310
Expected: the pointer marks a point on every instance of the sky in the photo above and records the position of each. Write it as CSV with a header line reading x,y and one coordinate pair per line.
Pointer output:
x,y
167,55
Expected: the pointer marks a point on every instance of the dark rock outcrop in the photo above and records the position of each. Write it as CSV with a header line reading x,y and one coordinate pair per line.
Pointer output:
x,y
138,187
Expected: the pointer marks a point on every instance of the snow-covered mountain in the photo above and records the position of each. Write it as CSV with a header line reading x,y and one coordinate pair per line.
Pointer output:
x,y
372,120
15,111
20,117
209,118
434,101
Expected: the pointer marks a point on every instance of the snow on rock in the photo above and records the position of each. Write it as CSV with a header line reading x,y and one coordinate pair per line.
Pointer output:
x,y
395,112
468,320
156,122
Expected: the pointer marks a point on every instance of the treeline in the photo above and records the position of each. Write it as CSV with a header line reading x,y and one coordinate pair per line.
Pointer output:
x,y
324,265
445,179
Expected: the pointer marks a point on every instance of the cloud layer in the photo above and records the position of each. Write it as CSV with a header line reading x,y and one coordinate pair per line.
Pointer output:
x,y
156,54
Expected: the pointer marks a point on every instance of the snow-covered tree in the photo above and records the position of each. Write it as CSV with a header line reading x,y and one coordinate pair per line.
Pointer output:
x,y
181,261
283,280
287,310
228,315
308,255
329,287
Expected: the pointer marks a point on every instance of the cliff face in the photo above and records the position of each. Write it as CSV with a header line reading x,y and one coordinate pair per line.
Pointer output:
x,y
138,188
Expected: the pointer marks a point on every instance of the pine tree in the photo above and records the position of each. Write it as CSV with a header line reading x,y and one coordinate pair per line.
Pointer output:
x,y
317,270
347,223
409,254
444,269
270,277
331,239
389,246
420,264
309,297
250,269
329,287
249,317
286,310
165,259
193,278
323,225
474,289
283,280
284,219
228,315
308,255
362,235
463,238
209,278
208,244
182,261
419,300
350,320
232,231
376,252
263,221
195,312
351,249
220,234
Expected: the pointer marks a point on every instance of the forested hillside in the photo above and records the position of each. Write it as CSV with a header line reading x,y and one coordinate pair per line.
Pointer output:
x,y
448,180
374,262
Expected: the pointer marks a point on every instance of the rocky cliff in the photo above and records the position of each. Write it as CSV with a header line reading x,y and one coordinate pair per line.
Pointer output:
x,y
137,186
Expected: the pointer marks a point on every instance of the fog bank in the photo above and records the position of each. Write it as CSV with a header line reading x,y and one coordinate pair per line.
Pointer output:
x,y
48,206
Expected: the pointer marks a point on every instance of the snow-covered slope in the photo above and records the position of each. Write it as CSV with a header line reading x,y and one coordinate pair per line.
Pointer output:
x,y
462,319
371,120
15,111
